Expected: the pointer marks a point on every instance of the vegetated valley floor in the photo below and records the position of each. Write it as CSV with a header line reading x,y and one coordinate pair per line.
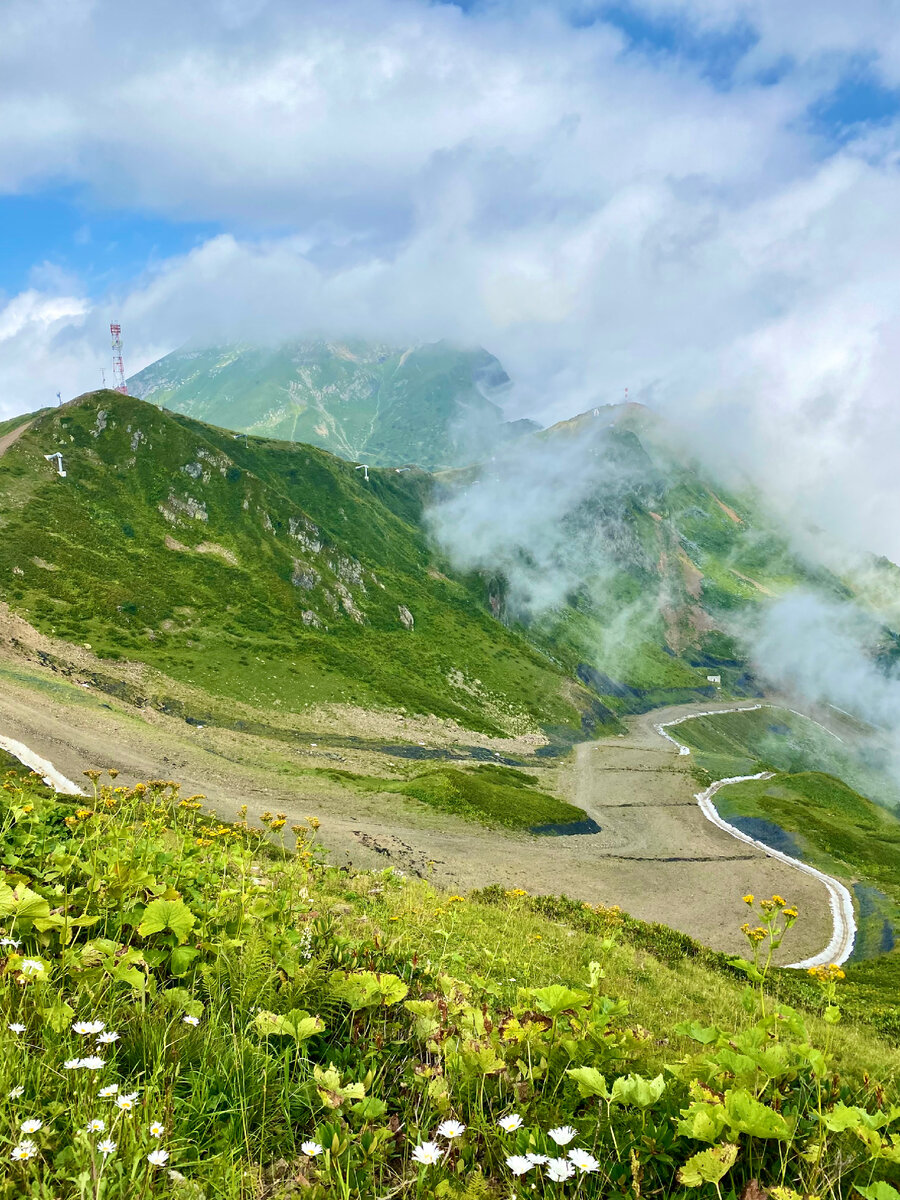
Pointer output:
x,y
655,854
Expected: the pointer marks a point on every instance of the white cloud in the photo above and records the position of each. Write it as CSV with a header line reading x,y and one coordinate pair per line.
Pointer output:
x,y
597,218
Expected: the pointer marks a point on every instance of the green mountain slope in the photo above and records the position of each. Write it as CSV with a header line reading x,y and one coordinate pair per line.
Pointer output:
x,y
432,405
268,572
274,572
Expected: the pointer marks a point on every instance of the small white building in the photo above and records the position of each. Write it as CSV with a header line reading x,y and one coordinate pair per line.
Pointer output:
x,y
717,679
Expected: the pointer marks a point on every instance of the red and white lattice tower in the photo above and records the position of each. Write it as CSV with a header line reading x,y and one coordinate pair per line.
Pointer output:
x,y
117,364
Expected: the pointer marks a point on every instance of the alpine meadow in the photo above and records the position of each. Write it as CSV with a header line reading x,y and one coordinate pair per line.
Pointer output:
x,y
449,600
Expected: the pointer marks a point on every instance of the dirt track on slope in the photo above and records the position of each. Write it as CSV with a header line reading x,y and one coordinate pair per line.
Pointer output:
x,y
656,855
13,436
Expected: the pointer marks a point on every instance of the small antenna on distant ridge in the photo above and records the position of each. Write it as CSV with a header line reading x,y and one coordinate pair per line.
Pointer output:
x,y
102,377
117,364
58,398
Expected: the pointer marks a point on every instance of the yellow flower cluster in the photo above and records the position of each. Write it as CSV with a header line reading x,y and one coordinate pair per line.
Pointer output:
x,y
829,974
516,892
755,936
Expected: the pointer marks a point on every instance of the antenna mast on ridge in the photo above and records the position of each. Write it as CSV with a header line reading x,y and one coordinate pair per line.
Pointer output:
x,y
117,364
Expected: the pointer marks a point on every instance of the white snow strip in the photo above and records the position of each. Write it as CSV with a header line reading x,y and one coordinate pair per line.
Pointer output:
x,y
840,901
46,769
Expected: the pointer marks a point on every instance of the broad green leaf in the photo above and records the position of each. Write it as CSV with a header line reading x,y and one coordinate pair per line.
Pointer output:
x,y
708,1166
365,989
271,1024
555,999
590,1081
878,1191
370,1109
704,1034
58,1016
703,1121
182,957
746,1114
22,903
332,1091
635,1089
174,915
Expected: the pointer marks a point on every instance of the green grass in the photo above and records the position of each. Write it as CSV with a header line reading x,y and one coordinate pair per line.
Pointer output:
x,y
496,796
358,1011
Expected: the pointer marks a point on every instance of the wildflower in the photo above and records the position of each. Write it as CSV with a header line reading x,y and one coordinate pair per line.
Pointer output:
x,y
563,1134
457,900
510,1123
23,1151
157,1129
71,1064
31,1126
519,1164
560,1169
107,1146
779,900
311,1148
427,1154
8,941
96,1125
158,1158
31,966
749,898
583,1161
189,1020
16,1027
88,1027
124,1103
107,1039
17,1091
94,1063
451,1129
109,1090
537,1160
790,914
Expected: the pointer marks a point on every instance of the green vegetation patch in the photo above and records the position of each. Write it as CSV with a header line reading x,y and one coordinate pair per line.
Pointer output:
x,y
190,1009
495,796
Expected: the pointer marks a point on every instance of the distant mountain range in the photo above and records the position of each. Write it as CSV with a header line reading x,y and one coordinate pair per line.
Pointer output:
x,y
434,405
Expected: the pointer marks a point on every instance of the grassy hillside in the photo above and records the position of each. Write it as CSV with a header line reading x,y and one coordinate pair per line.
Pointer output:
x,y
190,1010
266,572
429,404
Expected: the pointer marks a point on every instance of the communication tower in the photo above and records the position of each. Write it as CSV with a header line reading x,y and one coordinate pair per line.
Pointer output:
x,y
117,365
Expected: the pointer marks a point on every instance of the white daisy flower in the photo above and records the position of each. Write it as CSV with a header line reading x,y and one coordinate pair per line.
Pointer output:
x,y
93,1063
510,1123
71,1064
88,1027
189,1020
17,1091
130,1096
583,1161
31,966
537,1160
107,1146
560,1169
158,1158
97,1125
125,1103
563,1134
451,1129
311,1148
109,1090
107,1039
23,1151
518,1164
157,1129
16,1027
427,1154
8,941
31,1126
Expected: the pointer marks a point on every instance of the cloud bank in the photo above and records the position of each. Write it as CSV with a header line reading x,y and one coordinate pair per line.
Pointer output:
x,y
597,212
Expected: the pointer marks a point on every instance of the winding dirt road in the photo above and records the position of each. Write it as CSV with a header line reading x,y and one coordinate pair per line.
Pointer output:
x,y
840,902
656,855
